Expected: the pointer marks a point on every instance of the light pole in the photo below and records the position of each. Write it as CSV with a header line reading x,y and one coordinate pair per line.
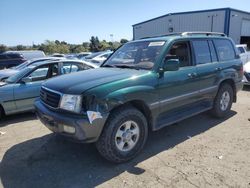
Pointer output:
x,y
212,21
112,38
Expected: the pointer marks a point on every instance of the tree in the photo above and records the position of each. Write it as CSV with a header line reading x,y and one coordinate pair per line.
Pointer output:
x,y
123,41
104,45
3,48
86,45
77,48
57,42
94,44
20,47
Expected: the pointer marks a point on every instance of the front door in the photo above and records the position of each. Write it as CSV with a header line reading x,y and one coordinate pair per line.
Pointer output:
x,y
179,88
26,93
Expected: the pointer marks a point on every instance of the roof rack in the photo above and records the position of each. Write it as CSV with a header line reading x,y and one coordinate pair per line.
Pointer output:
x,y
169,34
189,34
203,33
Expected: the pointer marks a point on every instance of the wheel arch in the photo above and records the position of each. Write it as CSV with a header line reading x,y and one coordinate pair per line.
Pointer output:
x,y
139,105
231,82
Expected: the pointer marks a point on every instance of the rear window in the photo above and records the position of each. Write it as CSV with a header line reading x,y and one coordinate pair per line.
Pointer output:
x,y
241,50
14,55
224,49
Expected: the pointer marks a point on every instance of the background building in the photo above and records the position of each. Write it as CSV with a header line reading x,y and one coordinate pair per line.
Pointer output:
x,y
232,22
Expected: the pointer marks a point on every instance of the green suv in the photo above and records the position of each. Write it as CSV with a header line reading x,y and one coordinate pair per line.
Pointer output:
x,y
145,85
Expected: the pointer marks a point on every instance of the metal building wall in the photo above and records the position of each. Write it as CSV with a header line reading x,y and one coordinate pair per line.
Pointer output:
x,y
200,21
235,27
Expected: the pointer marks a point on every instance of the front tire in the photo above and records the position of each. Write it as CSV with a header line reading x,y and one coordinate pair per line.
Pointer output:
x,y
223,101
1,113
124,135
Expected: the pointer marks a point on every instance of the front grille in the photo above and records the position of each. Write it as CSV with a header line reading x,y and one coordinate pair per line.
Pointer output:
x,y
247,75
50,98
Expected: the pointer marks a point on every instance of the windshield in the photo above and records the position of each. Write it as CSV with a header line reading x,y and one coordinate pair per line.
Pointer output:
x,y
137,55
26,63
18,75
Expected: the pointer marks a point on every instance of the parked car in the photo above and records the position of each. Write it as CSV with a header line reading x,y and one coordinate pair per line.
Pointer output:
x,y
246,77
244,53
145,85
57,55
18,92
29,54
6,73
71,56
98,57
10,59
83,54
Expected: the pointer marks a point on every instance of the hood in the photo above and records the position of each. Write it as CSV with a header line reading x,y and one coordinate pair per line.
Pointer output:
x,y
7,73
247,67
80,82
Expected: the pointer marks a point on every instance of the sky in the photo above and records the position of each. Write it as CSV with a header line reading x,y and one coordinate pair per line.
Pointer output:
x,y
75,21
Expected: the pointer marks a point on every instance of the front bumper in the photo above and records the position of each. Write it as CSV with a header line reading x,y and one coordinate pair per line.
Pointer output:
x,y
239,86
55,121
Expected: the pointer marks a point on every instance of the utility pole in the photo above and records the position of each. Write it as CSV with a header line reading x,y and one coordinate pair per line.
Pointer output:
x,y
212,21
112,38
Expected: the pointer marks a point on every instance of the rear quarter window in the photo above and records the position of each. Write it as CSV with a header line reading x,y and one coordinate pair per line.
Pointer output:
x,y
225,49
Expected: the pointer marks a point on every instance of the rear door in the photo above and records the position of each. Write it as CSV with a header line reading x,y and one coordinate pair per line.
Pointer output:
x,y
208,67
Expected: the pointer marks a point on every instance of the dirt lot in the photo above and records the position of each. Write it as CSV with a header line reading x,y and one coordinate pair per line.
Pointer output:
x,y
198,152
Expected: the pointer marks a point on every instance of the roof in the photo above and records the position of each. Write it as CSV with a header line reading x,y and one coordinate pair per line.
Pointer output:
x,y
49,61
193,12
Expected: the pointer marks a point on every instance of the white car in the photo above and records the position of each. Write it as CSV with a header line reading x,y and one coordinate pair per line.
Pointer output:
x,y
98,57
246,77
244,53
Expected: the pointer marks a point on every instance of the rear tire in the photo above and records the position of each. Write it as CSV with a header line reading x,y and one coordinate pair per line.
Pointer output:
x,y
223,101
124,135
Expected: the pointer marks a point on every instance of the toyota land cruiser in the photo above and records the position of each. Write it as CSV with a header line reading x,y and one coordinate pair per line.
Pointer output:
x,y
145,85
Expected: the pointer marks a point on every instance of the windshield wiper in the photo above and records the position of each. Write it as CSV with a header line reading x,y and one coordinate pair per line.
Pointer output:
x,y
127,66
108,66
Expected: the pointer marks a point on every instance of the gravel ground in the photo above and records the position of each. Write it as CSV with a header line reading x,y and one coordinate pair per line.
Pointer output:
x,y
198,152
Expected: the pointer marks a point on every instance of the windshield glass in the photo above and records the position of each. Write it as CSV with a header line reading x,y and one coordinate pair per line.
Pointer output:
x,y
26,63
18,75
137,55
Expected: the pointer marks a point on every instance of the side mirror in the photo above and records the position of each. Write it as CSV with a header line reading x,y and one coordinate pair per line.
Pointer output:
x,y
26,80
171,65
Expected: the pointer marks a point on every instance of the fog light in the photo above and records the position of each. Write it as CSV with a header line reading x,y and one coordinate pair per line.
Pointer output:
x,y
68,129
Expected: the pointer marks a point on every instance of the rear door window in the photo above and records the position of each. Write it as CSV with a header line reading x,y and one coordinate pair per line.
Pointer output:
x,y
202,52
69,67
212,51
224,49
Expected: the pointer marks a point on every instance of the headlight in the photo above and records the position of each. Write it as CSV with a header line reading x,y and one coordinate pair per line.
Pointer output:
x,y
71,103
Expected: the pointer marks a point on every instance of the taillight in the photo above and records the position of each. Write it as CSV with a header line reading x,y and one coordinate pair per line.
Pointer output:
x,y
241,71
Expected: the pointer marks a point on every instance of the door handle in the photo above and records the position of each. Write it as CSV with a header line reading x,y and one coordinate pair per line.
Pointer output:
x,y
218,69
192,75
